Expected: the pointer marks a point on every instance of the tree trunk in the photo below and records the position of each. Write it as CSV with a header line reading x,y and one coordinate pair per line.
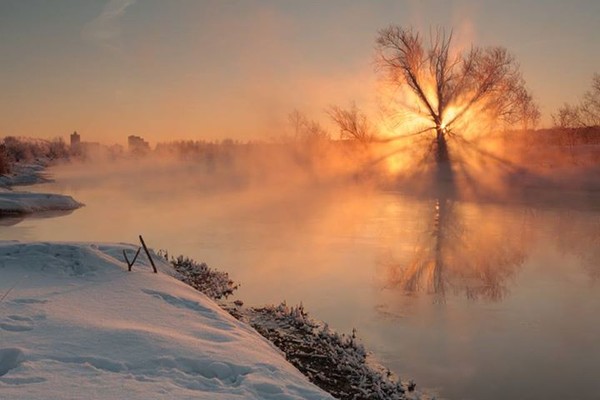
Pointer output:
x,y
441,154
444,174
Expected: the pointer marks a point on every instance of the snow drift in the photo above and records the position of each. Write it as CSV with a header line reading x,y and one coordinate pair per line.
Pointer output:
x,y
75,324
25,202
25,174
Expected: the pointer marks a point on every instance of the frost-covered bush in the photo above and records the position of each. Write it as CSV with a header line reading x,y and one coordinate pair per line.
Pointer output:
x,y
215,284
335,362
27,150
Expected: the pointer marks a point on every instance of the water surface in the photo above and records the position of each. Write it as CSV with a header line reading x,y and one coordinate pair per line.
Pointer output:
x,y
472,300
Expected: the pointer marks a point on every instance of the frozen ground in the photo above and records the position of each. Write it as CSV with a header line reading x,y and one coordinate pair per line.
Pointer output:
x,y
75,324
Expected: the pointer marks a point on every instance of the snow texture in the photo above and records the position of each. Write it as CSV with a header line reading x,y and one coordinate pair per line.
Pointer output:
x,y
24,174
74,324
25,202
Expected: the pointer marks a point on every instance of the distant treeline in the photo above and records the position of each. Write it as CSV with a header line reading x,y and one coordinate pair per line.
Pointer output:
x,y
553,147
311,152
16,149
314,157
556,136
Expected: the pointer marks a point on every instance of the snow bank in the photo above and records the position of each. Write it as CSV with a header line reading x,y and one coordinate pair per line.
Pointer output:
x,y
75,324
25,174
24,202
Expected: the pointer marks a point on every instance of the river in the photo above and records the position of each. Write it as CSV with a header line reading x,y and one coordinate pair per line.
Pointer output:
x,y
471,300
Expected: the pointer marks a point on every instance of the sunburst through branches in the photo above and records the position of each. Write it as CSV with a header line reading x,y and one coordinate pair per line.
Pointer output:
x,y
434,90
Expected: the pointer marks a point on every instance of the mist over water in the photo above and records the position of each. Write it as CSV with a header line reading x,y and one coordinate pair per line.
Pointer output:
x,y
469,297
386,170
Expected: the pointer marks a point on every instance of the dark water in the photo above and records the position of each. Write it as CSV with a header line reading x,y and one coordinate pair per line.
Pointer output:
x,y
471,300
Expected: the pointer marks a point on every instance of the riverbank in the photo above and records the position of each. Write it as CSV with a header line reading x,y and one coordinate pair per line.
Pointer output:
x,y
19,202
74,320
337,363
76,324
25,174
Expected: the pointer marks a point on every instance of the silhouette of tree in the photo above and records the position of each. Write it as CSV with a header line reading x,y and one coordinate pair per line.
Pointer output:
x,y
584,114
449,86
306,130
352,123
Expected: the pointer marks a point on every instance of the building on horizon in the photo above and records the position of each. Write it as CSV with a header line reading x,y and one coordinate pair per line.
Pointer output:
x,y
75,140
84,149
137,145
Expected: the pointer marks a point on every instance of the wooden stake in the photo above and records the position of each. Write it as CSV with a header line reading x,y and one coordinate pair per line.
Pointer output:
x,y
148,254
130,264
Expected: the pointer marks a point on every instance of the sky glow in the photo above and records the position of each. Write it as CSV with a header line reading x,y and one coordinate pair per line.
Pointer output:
x,y
217,69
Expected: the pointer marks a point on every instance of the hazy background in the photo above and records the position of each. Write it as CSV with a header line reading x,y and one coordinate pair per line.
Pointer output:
x,y
216,69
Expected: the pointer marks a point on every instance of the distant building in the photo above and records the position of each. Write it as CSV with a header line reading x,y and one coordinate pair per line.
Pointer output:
x,y
84,149
137,145
75,140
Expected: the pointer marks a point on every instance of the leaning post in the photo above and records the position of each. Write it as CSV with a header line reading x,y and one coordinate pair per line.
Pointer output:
x,y
148,254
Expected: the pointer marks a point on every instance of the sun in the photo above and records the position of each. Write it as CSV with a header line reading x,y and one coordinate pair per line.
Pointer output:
x,y
449,117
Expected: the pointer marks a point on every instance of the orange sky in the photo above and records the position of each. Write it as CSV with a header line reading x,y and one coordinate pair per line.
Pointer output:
x,y
214,69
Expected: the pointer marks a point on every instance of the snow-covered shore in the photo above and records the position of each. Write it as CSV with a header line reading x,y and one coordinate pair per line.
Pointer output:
x,y
18,202
24,174
336,363
25,202
75,324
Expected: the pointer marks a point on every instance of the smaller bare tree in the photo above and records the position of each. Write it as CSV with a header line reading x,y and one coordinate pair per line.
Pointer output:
x,y
352,123
529,112
306,130
585,114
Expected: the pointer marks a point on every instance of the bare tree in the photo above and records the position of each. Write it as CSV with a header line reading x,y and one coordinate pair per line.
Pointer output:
x,y
529,113
450,85
306,130
353,123
584,114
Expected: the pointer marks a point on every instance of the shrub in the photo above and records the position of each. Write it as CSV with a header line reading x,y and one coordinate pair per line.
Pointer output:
x,y
215,284
337,363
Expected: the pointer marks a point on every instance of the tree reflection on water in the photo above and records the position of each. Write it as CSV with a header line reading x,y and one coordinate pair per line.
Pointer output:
x,y
459,256
476,250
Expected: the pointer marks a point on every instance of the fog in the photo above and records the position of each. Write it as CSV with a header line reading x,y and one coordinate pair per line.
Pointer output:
x,y
393,254
469,234
507,167
460,242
